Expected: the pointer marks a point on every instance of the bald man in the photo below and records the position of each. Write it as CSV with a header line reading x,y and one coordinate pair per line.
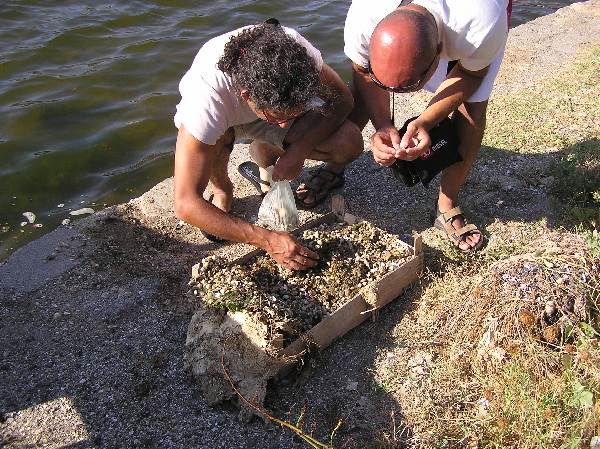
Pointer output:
x,y
451,47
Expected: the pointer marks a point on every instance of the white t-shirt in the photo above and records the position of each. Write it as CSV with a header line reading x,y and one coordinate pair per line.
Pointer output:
x,y
472,31
210,104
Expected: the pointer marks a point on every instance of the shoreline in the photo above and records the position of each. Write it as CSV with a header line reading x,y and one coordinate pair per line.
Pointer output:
x,y
94,315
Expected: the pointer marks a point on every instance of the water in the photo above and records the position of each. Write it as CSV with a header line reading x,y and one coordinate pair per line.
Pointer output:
x,y
88,90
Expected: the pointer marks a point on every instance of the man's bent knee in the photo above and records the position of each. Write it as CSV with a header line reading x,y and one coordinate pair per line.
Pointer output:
x,y
343,146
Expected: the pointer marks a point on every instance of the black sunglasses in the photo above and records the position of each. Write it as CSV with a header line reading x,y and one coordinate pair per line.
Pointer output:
x,y
400,89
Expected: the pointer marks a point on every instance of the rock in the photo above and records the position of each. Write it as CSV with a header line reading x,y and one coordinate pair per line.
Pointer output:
x,y
239,341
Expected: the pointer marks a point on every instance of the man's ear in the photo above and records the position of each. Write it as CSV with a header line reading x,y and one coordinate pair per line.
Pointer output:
x,y
245,94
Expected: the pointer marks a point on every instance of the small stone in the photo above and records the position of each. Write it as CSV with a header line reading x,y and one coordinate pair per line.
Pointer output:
x,y
550,308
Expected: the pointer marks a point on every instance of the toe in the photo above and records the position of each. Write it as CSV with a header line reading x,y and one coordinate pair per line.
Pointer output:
x,y
301,194
470,242
464,246
305,196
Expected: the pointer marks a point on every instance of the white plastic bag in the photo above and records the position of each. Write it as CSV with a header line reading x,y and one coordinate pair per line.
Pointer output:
x,y
278,208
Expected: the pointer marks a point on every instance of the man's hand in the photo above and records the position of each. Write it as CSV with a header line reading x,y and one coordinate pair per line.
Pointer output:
x,y
414,143
288,167
384,144
388,145
287,250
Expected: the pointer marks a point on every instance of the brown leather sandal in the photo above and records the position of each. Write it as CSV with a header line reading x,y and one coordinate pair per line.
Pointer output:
x,y
331,181
443,221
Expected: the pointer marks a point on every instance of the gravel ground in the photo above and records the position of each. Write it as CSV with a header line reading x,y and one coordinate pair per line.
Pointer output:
x,y
94,317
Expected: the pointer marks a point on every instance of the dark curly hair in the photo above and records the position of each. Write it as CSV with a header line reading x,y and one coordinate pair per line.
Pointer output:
x,y
277,71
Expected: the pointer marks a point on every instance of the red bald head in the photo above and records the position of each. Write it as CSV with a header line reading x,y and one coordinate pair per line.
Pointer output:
x,y
403,46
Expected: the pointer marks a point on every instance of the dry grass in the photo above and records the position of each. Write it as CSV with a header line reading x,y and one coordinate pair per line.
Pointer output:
x,y
503,356
553,115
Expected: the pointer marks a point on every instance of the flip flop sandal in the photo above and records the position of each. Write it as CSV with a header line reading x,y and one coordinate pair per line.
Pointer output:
x,y
443,222
332,181
211,237
250,171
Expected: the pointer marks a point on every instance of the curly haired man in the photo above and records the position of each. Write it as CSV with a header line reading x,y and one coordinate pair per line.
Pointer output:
x,y
266,83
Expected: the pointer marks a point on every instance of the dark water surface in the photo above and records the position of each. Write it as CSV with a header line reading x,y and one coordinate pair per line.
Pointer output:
x,y
88,90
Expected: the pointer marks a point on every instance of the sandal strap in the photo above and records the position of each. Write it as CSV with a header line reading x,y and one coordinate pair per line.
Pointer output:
x,y
457,234
329,181
446,219
329,176
332,180
317,188
264,182
467,229
450,215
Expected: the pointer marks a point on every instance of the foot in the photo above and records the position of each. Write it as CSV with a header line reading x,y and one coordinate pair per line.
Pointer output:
x,y
258,176
313,192
265,185
461,233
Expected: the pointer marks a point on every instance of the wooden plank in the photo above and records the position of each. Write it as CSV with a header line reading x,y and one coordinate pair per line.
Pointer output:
x,y
418,245
352,313
331,328
350,219
393,284
338,208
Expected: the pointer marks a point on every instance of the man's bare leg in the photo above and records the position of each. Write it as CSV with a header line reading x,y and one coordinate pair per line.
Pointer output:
x,y
341,148
264,155
219,177
470,120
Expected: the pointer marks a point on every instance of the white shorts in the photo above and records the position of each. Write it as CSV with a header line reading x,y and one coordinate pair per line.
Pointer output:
x,y
263,132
